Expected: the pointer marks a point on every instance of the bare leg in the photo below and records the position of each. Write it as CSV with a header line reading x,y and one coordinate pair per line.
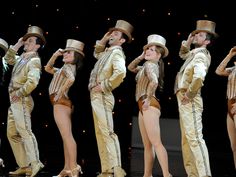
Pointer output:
x,y
62,115
152,126
231,127
149,154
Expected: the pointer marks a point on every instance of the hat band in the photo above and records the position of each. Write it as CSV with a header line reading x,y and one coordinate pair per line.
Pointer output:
x,y
72,48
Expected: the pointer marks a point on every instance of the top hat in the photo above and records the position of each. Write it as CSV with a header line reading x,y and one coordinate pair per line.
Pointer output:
x,y
124,27
157,40
205,26
3,44
34,31
74,45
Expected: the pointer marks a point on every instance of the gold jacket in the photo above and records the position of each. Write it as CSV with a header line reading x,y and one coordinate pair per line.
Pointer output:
x,y
193,72
110,69
26,72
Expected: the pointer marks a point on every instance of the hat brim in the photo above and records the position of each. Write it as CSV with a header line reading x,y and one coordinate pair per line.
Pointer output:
x,y
26,36
73,49
123,31
3,47
159,45
215,35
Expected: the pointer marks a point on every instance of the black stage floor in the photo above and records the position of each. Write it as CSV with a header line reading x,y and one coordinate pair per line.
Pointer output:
x,y
132,163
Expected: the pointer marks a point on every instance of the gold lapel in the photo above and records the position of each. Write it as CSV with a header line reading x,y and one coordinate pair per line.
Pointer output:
x,y
23,60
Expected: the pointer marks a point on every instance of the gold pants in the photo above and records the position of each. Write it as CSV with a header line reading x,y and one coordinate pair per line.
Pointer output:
x,y
194,149
19,133
107,141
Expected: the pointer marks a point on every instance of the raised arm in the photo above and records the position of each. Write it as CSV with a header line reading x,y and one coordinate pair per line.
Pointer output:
x,y
221,69
101,45
49,66
185,47
10,57
133,66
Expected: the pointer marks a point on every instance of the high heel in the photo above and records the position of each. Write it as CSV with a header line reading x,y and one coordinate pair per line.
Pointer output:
x,y
76,171
64,173
1,163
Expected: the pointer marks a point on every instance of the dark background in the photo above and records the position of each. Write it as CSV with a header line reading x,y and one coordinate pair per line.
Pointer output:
x,y
87,21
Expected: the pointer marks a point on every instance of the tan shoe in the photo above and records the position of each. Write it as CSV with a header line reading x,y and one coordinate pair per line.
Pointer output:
x,y
21,171
36,167
63,173
105,175
76,171
119,172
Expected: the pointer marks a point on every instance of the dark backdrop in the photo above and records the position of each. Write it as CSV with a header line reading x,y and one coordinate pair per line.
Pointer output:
x,y
88,20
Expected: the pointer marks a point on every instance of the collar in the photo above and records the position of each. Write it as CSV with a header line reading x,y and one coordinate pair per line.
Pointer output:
x,y
27,55
114,47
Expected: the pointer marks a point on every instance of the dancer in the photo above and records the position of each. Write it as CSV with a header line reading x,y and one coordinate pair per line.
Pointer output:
x,y
149,77
189,82
25,78
63,78
108,74
3,49
230,72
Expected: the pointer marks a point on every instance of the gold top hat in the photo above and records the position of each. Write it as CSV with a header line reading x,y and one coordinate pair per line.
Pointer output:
x,y
74,45
125,28
157,40
206,26
3,44
35,31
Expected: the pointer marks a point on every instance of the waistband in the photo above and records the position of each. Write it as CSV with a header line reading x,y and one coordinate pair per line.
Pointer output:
x,y
153,102
63,101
